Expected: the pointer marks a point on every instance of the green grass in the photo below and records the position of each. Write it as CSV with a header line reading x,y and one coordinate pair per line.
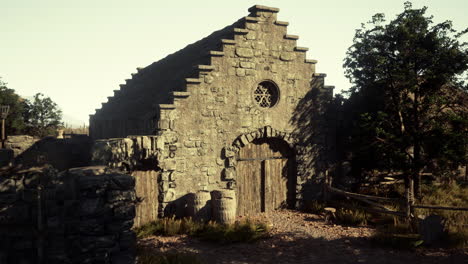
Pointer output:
x,y
243,231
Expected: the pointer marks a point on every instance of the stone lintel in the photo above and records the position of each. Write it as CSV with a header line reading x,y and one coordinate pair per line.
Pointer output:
x,y
329,87
310,61
216,53
241,31
193,80
205,67
282,23
166,106
251,19
295,37
178,94
320,75
263,8
301,49
228,41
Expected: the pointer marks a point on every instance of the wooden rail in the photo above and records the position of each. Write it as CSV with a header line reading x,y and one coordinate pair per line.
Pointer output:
x,y
441,207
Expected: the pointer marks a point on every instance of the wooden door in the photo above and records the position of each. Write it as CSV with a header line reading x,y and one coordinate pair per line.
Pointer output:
x,y
146,188
265,177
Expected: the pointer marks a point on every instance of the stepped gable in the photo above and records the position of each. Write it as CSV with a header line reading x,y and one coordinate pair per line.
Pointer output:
x,y
153,84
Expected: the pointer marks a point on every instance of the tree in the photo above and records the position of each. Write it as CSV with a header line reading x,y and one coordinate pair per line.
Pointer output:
x,y
42,116
411,76
14,123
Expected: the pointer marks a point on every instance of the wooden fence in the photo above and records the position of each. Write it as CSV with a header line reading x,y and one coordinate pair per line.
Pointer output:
x,y
373,201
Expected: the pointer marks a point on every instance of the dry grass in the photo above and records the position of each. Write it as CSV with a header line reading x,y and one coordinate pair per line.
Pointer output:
x,y
242,231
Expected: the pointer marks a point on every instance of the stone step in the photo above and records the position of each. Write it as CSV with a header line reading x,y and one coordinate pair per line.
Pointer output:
x,y
241,31
215,53
192,80
301,49
205,67
294,37
228,41
310,61
282,23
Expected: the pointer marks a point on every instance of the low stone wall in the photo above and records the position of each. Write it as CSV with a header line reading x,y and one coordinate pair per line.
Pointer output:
x,y
128,153
20,143
83,215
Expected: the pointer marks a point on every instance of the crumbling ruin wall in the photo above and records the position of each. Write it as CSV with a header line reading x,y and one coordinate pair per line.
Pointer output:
x,y
82,215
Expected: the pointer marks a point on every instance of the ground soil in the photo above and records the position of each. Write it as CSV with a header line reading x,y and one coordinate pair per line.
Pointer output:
x,y
303,238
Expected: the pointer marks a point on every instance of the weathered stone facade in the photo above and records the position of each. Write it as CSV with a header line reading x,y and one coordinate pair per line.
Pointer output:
x,y
204,103
81,215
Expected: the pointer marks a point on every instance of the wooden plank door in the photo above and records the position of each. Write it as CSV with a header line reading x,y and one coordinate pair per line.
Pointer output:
x,y
249,191
263,177
146,188
276,184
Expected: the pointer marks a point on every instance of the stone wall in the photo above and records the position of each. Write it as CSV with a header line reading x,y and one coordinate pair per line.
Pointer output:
x,y
82,215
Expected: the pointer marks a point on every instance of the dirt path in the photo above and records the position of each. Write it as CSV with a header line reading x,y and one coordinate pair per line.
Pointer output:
x,y
302,238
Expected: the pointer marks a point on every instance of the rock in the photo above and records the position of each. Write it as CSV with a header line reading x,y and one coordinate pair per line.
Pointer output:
x,y
432,228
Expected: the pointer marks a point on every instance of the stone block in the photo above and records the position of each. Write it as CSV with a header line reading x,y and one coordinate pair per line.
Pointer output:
x,y
124,212
244,52
121,182
287,56
240,72
116,196
229,173
247,64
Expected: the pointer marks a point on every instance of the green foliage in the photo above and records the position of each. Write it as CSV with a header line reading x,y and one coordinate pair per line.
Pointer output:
x,y
14,123
42,116
244,231
407,107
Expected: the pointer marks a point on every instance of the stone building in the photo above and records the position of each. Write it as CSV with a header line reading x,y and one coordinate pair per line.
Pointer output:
x,y
242,109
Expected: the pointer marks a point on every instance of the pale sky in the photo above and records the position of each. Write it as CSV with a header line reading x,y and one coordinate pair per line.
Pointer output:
x,y
78,52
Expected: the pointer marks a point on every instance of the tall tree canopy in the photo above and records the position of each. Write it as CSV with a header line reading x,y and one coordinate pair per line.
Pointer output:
x,y
42,116
410,92
14,124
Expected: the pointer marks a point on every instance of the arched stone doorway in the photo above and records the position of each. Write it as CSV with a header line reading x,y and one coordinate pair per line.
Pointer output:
x,y
266,176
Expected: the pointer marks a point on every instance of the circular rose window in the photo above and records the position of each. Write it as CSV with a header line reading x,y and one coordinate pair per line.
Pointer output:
x,y
266,94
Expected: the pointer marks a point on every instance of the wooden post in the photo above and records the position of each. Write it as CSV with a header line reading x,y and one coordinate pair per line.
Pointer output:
x,y
326,185
3,133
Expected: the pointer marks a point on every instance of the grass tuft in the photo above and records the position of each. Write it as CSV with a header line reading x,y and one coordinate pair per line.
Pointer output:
x,y
243,231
